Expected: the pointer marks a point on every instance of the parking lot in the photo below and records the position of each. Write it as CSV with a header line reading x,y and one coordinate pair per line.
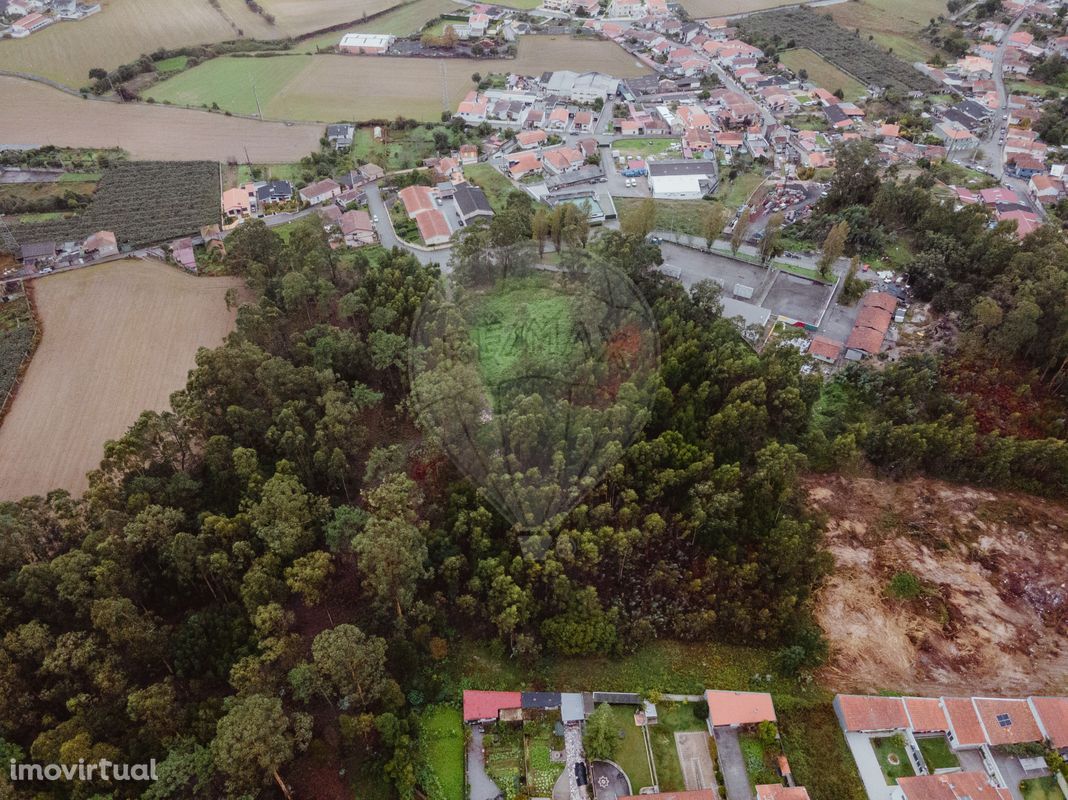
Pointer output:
x,y
695,266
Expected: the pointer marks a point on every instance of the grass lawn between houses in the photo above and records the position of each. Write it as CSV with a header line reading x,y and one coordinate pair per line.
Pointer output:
x,y
936,753
759,760
632,754
672,718
1041,789
496,186
441,732
648,148
893,760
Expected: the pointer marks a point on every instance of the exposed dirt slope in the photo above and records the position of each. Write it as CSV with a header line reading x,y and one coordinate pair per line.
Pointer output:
x,y
991,613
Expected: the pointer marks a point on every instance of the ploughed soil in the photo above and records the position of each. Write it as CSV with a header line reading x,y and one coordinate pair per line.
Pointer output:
x,y
987,611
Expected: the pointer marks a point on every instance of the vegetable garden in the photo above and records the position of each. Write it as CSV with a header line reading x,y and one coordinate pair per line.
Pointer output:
x,y
142,202
846,49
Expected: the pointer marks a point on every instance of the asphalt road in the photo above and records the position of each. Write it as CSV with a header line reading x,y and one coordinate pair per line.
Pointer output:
x,y
388,238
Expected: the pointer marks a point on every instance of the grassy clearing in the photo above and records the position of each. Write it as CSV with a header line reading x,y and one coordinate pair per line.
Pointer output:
x,y
496,186
646,148
176,64
893,760
823,73
736,193
631,753
937,754
759,760
816,748
330,88
1041,789
509,315
891,24
404,149
293,17
442,736
679,216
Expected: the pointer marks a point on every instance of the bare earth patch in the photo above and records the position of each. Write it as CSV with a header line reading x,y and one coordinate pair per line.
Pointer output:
x,y
35,114
118,338
992,615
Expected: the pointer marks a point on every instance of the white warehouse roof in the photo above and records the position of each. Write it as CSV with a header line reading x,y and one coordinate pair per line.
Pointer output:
x,y
367,40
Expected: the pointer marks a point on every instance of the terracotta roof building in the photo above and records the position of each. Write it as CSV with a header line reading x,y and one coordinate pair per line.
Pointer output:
x,y
926,715
739,708
776,791
1007,721
965,730
480,706
954,786
1052,713
859,713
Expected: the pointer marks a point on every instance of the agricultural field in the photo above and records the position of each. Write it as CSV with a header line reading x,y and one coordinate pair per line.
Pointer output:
x,y
36,114
142,202
295,17
892,24
402,20
120,33
329,87
854,54
17,328
442,736
823,73
730,8
118,338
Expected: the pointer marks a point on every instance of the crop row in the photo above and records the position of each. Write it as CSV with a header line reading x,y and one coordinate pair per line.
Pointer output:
x,y
142,202
846,49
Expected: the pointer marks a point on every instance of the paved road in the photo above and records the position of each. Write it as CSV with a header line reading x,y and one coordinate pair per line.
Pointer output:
x,y
991,151
732,764
388,237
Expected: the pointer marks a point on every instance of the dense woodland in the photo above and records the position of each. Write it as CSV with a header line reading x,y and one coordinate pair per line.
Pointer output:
x,y
274,569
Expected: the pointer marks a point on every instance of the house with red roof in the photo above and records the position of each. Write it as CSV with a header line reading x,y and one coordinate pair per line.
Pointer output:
x,y
487,706
776,791
866,339
733,709
952,786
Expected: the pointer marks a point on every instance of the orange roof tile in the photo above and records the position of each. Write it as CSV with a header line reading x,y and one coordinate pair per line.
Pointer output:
x,y
963,720
487,705
776,791
926,714
1053,713
739,708
1007,721
953,786
866,712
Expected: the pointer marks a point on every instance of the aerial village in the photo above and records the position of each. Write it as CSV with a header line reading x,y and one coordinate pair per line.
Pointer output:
x,y
714,118
20,18
726,744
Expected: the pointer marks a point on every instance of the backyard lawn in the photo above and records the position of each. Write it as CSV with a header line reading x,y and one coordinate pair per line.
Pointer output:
x,y
442,736
1041,789
759,760
672,717
647,148
632,754
893,760
493,183
936,753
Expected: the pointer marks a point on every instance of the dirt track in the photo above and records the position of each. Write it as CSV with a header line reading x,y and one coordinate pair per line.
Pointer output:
x,y
36,114
119,338
993,616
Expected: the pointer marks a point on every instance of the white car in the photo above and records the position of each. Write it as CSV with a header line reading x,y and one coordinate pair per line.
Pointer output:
x,y
374,218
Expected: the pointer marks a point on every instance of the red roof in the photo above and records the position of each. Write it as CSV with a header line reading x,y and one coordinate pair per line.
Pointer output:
x,y
869,713
926,715
739,708
1007,721
433,226
416,199
953,786
697,794
965,722
488,705
776,791
1053,713
823,347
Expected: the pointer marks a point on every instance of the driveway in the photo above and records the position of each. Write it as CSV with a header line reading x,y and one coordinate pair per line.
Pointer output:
x,y
482,786
732,764
388,237
697,769
868,766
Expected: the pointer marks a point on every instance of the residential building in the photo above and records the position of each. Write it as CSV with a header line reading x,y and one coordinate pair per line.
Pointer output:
x,y
320,191
869,331
357,228
340,136
433,227
952,786
471,202
682,180
777,791
732,709
626,8
237,202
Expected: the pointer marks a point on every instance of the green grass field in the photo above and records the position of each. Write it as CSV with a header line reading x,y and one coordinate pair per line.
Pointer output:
x,y
888,750
645,148
441,732
672,717
759,760
405,19
822,72
229,82
936,753
496,186
1041,789
631,754
175,64
736,193
525,320
892,24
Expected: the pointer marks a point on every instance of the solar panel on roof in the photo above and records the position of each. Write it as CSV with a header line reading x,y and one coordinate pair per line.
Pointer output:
x,y
1004,720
